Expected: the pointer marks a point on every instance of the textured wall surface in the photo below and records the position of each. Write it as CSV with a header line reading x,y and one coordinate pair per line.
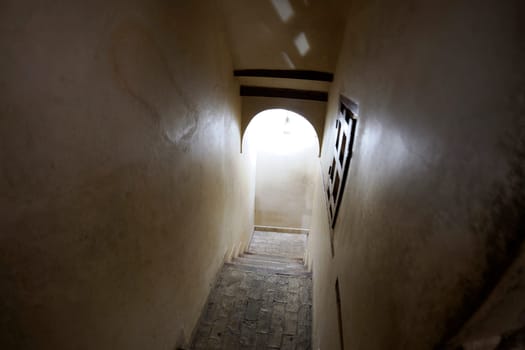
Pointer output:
x,y
121,182
284,188
432,213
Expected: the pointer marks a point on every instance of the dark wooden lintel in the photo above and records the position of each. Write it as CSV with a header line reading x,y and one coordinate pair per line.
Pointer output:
x,y
285,73
284,93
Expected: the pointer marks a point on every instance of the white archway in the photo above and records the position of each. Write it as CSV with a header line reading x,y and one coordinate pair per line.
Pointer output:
x,y
284,147
281,129
313,111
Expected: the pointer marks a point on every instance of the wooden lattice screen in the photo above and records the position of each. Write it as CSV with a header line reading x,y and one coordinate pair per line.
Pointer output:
x,y
338,171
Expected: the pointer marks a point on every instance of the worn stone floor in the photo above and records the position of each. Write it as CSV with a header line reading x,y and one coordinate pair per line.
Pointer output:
x,y
291,245
260,301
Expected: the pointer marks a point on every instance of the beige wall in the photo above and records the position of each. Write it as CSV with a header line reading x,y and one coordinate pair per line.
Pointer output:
x,y
432,210
284,187
122,186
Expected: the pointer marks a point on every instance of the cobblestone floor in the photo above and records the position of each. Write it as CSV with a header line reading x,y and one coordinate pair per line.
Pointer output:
x,y
258,302
275,243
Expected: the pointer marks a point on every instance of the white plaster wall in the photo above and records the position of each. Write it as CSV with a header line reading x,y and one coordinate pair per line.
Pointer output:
x,y
284,188
431,216
121,182
285,173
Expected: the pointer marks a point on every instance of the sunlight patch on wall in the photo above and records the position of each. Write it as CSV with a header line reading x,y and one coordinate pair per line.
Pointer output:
x,y
301,43
287,59
283,9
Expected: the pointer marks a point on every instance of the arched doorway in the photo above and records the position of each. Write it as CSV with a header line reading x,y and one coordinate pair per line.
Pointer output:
x,y
285,148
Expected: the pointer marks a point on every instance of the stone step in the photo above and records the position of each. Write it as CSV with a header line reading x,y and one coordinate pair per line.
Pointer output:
x,y
269,269
265,257
268,263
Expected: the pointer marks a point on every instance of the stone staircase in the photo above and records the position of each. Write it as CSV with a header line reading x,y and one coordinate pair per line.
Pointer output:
x,y
259,301
270,263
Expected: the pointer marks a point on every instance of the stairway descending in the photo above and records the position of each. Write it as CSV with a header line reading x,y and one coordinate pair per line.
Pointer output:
x,y
270,263
261,299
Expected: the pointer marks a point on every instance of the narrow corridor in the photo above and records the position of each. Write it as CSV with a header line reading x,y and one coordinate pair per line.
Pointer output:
x,y
142,143
262,299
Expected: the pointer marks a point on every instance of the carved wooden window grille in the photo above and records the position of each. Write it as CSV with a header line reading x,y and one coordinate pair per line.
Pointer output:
x,y
338,171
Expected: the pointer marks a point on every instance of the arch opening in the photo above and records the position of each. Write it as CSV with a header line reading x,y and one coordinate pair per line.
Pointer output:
x,y
281,131
284,147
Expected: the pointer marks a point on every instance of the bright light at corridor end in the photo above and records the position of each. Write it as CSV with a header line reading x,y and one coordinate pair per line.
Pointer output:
x,y
282,132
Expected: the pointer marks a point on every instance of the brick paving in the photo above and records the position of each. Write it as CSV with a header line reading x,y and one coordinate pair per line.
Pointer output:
x,y
259,301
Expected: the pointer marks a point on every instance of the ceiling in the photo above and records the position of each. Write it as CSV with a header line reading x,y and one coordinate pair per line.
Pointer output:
x,y
282,53
285,34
